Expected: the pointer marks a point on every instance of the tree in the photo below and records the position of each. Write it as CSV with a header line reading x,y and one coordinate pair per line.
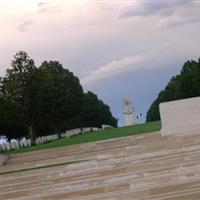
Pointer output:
x,y
60,94
44,98
17,91
95,112
184,85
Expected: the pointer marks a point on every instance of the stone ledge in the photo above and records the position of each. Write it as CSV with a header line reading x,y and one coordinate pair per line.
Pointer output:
x,y
180,117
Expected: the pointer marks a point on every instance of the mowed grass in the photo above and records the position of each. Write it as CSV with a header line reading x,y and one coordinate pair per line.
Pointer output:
x,y
95,136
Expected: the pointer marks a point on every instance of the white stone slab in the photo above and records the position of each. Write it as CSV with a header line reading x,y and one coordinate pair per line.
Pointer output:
x,y
180,117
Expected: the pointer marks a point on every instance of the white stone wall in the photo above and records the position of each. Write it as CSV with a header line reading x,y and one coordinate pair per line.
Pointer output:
x,y
180,117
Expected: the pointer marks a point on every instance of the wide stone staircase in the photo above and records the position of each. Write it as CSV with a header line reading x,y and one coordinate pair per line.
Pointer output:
x,y
142,167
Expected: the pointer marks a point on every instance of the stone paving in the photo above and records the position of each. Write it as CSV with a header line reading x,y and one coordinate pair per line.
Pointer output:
x,y
142,167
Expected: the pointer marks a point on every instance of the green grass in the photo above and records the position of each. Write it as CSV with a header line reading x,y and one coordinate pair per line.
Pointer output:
x,y
95,136
41,167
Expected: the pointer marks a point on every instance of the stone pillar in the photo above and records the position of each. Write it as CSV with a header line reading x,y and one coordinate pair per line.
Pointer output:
x,y
129,112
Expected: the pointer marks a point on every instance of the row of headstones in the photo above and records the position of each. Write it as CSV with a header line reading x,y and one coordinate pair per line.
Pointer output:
x,y
67,134
78,131
45,139
15,144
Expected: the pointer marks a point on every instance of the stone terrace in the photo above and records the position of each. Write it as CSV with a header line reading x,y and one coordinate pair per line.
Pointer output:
x,y
142,167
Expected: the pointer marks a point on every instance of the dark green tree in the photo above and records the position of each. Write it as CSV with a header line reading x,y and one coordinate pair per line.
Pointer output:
x,y
61,96
44,98
184,85
95,112
17,92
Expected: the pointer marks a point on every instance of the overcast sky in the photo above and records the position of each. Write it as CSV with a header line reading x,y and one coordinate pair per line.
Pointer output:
x,y
116,48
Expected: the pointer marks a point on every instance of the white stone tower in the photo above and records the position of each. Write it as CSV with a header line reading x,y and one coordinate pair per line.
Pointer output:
x,y
128,111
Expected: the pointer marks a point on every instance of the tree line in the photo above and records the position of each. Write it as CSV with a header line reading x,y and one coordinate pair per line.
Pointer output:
x,y
184,85
45,100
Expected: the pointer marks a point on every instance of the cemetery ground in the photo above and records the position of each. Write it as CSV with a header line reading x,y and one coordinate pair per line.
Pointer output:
x,y
95,136
138,166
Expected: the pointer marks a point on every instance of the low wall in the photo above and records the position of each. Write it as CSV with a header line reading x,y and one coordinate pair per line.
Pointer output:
x,y
180,117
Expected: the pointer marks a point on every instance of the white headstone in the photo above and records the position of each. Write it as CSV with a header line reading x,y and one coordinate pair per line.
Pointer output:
x,y
14,144
128,111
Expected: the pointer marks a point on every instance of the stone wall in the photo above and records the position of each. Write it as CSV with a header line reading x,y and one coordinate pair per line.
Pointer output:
x,y
180,117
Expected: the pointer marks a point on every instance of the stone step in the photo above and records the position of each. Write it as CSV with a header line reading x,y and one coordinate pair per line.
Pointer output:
x,y
145,167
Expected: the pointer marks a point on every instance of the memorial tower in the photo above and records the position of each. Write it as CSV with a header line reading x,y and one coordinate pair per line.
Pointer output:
x,y
129,112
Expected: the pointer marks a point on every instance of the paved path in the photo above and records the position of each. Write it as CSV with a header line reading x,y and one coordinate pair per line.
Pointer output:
x,y
143,167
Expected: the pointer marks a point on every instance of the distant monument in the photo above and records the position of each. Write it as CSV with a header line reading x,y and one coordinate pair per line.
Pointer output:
x,y
128,111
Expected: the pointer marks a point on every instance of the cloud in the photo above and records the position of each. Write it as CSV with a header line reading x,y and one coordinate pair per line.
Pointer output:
x,y
32,17
170,13
23,27
177,20
116,67
48,7
147,8
148,60
40,4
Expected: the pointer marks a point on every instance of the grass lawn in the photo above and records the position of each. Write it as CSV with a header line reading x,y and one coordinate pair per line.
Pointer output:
x,y
95,136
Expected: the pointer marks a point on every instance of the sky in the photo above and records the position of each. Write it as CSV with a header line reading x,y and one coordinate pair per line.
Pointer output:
x,y
117,48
